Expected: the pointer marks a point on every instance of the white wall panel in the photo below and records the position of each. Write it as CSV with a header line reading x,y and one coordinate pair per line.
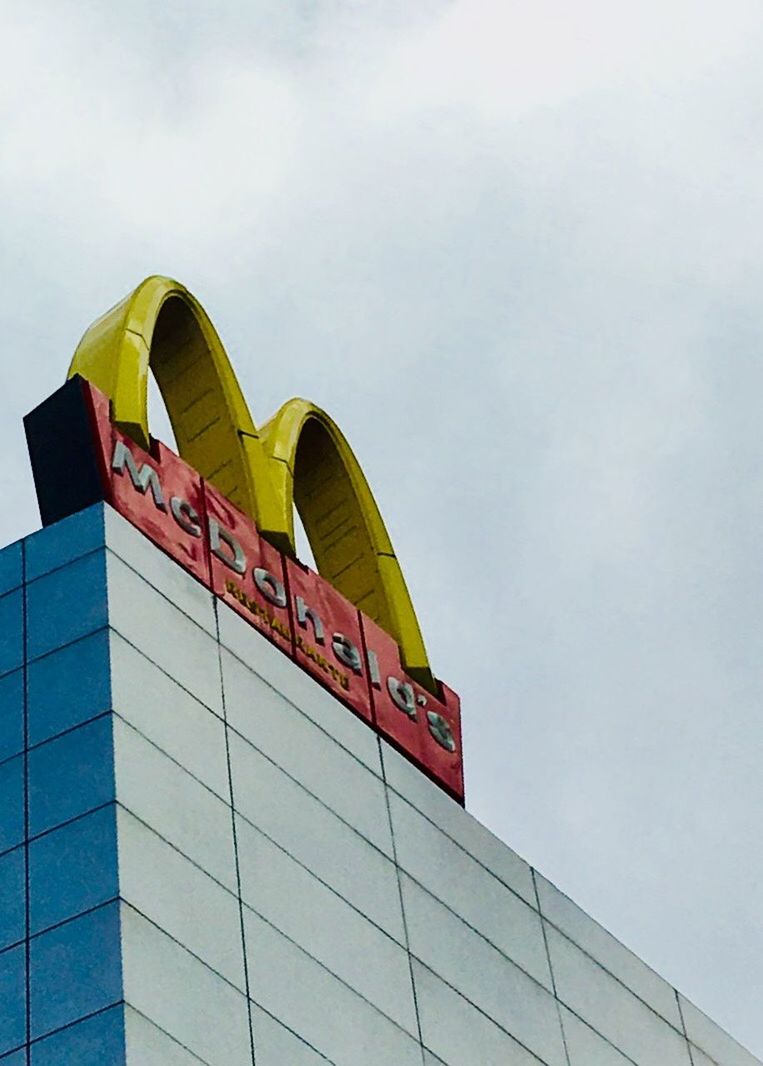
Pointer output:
x,y
275,1045
306,752
147,1045
475,838
609,952
182,996
327,927
315,836
586,1047
180,898
160,571
259,655
468,888
483,974
165,634
457,1032
713,1040
175,805
330,1016
169,716
611,1008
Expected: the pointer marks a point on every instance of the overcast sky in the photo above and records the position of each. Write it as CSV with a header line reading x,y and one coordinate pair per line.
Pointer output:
x,y
515,250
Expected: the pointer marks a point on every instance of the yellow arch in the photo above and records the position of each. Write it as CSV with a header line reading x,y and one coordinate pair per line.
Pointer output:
x,y
314,469
163,325
301,457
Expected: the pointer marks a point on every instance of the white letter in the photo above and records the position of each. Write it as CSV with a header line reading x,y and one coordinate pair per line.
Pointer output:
x,y
441,731
142,478
270,587
185,516
232,554
346,652
373,668
303,613
402,696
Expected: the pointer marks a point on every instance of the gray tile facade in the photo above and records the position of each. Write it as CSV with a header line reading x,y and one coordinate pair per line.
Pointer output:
x,y
205,858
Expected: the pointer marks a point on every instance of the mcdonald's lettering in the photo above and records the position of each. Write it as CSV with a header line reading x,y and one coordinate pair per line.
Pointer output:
x,y
223,508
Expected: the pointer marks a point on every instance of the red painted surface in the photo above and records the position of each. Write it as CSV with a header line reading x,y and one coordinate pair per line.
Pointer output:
x,y
401,728
328,637
253,577
443,766
257,603
178,481
402,707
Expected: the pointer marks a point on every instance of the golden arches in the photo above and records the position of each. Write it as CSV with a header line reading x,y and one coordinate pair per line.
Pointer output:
x,y
163,325
314,469
300,458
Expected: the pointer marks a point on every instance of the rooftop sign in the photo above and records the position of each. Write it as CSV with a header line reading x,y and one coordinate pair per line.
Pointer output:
x,y
224,510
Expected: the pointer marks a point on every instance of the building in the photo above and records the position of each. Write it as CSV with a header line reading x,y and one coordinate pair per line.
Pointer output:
x,y
232,828
206,857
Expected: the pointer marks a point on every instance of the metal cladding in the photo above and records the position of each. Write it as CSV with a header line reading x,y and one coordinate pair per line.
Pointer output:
x,y
223,510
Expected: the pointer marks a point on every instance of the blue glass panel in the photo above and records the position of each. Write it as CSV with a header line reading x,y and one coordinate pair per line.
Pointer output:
x,y
11,803
66,605
71,775
11,574
11,714
98,1041
16,1058
12,897
64,541
11,631
68,686
12,998
75,969
73,869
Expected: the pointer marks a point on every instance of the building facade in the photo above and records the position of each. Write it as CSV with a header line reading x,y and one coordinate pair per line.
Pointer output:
x,y
206,858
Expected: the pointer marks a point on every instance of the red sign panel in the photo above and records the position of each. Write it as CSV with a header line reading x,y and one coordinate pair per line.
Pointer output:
x,y
327,638
247,572
444,762
163,497
396,712
426,729
156,491
89,459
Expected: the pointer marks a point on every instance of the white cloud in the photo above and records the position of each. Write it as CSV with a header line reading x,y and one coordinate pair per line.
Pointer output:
x,y
503,59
